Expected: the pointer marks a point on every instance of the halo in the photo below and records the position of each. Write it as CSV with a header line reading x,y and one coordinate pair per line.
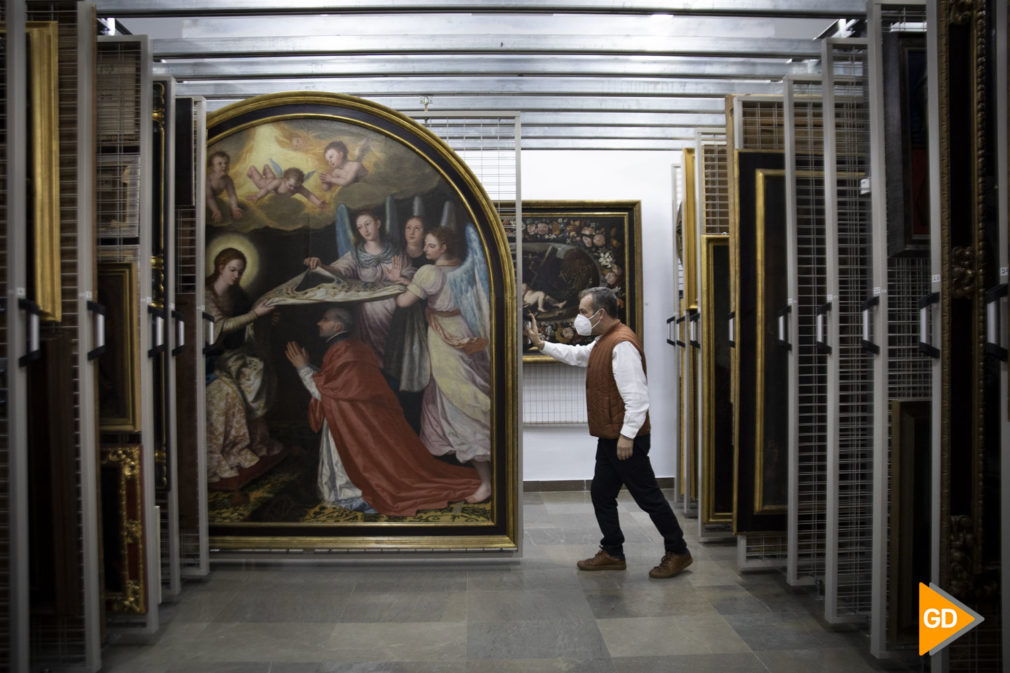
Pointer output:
x,y
241,243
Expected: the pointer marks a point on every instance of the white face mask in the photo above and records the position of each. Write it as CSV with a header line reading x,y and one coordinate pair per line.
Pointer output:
x,y
583,325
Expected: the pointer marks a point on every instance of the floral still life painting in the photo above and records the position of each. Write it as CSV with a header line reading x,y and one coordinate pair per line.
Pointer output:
x,y
568,246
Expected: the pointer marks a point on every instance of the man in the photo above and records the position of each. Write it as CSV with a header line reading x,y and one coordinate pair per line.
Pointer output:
x,y
617,399
366,441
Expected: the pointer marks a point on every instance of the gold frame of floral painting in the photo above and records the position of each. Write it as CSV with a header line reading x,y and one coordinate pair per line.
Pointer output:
x,y
123,464
119,397
604,235
275,128
43,85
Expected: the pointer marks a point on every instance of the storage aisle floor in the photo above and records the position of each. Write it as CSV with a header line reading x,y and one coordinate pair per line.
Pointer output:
x,y
535,616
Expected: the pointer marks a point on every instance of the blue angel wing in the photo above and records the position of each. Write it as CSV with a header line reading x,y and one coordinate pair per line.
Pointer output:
x,y
278,171
345,241
394,232
471,285
308,175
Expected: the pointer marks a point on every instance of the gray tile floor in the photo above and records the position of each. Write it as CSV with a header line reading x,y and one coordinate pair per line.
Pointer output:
x,y
539,615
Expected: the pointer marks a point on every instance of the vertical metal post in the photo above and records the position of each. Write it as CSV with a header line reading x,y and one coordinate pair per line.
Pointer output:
x,y
17,125
87,368
1002,23
831,335
939,662
200,110
878,191
792,377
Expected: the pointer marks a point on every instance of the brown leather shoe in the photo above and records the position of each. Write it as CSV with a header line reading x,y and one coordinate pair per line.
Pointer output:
x,y
602,561
671,564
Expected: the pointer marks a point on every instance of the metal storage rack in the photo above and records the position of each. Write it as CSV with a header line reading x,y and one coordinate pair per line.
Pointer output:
x,y
758,123
807,375
848,548
124,136
191,390
713,219
899,368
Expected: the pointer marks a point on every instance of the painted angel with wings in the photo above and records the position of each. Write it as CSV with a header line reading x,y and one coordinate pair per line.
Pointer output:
x,y
456,409
282,182
369,251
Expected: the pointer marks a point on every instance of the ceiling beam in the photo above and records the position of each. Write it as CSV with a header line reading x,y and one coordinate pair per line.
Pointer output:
x,y
551,104
319,45
483,64
492,87
756,8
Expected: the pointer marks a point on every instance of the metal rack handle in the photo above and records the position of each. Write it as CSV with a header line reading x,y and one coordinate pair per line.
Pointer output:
x,y
180,333
993,344
158,321
34,347
731,321
693,329
669,323
822,341
784,327
925,347
99,311
680,320
867,340
208,335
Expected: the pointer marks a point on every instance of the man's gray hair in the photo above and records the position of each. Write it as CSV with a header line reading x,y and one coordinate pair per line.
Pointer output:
x,y
603,297
341,315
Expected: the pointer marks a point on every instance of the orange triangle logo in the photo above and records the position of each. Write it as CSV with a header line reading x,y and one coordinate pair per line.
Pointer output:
x,y
942,619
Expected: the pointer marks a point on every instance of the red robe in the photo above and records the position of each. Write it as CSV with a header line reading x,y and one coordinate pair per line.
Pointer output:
x,y
380,451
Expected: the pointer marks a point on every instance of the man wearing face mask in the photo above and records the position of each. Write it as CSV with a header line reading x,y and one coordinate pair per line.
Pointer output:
x,y
617,400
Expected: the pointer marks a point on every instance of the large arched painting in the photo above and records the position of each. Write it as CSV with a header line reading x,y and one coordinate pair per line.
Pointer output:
x,y
359,391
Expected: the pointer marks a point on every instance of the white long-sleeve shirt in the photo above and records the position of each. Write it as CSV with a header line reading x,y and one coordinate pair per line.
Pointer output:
x,y
629,375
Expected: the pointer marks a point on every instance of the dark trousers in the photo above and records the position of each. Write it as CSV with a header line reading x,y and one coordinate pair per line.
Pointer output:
x,y
635,473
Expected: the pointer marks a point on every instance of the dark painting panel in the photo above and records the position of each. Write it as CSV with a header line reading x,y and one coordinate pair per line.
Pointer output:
x,y
717,461
753,451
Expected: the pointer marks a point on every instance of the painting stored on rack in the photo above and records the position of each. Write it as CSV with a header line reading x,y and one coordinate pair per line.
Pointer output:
x,y
568,246
354,279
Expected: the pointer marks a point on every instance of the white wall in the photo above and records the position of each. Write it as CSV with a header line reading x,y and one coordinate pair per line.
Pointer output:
x,y
567,451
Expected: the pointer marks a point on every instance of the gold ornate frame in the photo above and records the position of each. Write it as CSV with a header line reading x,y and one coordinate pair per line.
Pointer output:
x,y
119,365
760,506
501,534
122,464
709,330
690,233
45,162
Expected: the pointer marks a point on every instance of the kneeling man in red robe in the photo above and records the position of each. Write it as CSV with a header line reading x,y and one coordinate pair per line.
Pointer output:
x,y
369,437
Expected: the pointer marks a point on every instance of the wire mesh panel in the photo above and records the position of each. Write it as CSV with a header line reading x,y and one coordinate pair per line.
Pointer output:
x,y
58,631
489,144
809,405
191,140
850,377
896,38
716,455
761,123
123,232
713,162
758,130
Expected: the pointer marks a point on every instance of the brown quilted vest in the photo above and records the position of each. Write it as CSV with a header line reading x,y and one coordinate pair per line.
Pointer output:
x,y
603,401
